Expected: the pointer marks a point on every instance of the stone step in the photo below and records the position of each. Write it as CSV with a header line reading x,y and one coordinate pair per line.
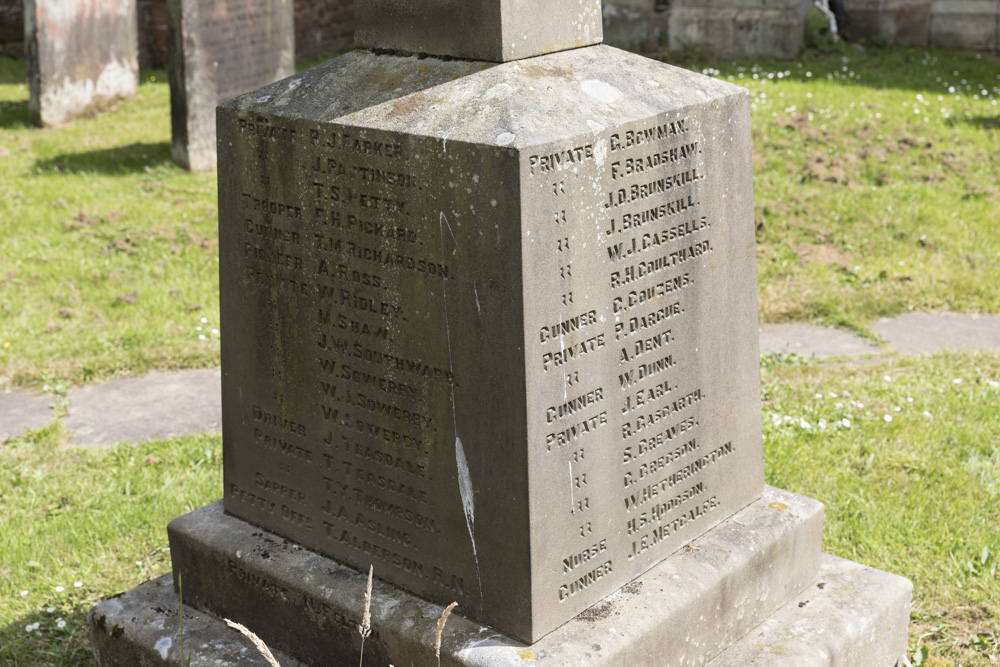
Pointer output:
x,y
700,600
852,616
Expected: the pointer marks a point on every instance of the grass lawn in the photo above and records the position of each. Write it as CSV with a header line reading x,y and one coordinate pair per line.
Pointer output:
x,y
108,257
877,181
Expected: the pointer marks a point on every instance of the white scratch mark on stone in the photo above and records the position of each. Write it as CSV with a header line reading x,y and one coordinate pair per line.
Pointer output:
x,y
465,489
454,240
505,138
464,478
475,290
162,646
444,140
572,500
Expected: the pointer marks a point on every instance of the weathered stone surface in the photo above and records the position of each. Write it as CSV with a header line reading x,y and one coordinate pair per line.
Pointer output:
x,y
903,22
321,27
142,628
853,616
808,340
20,411
478,315
158,405
81,56
636,24
699,600
739,28
220,49
965,24
493,30
925,333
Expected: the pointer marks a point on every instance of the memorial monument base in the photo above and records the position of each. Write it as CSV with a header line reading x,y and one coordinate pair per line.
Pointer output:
x,y
753,591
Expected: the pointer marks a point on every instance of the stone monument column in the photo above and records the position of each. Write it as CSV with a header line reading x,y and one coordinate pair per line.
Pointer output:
x,y
489,305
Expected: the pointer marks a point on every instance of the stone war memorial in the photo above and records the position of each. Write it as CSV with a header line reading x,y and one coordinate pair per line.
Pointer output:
x,y
220,49
489,305
81,56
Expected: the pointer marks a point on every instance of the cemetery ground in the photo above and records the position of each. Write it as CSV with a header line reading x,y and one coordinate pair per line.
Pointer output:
x,y
877,182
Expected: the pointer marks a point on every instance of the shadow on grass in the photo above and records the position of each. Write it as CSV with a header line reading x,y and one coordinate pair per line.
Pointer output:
x,y
120,160
14,115
985,122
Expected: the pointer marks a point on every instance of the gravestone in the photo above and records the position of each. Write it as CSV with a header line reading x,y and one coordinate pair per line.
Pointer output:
x,y
220,49
739,29
966,24
903,22
490,328
81,56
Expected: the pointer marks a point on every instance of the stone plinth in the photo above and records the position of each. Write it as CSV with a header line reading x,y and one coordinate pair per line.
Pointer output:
x,y
220,49
81,56
490,327
686,610
494,30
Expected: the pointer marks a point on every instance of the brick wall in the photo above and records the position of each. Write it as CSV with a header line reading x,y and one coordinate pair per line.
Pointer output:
x,y
152,15
321,26
12,28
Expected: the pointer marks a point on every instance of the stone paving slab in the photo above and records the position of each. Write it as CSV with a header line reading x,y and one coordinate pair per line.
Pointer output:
x,y
20,411
158,405
923,333
808,340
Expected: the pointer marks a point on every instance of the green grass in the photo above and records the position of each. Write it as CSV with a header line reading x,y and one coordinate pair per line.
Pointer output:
x,y
108,257
876,187
97,517
108,263
917,494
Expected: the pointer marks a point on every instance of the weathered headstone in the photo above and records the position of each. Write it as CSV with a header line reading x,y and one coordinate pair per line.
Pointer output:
x,y
220,49
491,328
739,28
81,56
903,22
966,24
